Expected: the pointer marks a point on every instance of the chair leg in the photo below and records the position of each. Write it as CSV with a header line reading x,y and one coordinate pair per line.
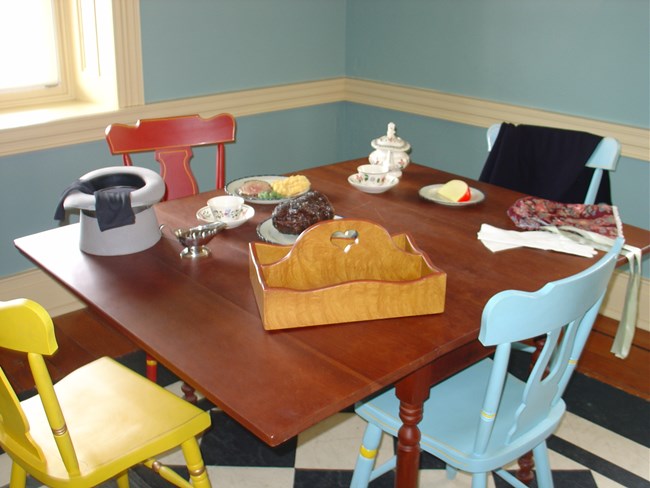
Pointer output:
x,y
542,466
195,464
18,477
451,472
123,480
152,369
479,480
152,374
367,457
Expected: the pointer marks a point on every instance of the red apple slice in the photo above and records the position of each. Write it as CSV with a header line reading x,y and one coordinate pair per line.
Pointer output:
x,y
456,191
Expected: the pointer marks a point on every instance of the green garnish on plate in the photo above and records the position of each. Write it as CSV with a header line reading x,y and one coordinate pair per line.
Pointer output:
x,y
270,195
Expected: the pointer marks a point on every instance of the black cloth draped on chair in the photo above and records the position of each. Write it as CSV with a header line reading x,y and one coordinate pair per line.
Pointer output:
x,y
544,162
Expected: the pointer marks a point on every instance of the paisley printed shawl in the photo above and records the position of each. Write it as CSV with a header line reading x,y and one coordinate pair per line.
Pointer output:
x,y
532,213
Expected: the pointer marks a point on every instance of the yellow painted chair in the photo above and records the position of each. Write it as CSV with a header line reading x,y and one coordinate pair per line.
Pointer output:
x,y
94,424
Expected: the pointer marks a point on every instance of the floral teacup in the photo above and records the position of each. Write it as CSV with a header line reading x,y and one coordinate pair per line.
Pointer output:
x,y
372,174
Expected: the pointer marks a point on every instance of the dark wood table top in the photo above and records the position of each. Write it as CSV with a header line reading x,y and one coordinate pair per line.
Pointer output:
x,y
200,319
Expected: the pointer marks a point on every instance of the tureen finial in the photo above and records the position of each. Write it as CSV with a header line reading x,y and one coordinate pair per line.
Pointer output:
x,y
390,133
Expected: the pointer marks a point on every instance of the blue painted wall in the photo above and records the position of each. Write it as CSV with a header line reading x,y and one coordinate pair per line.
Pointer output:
x,y
584,57
209,46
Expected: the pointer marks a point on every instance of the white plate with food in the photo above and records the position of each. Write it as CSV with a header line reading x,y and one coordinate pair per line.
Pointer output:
x,y
267,232
430,192
259,189
205,214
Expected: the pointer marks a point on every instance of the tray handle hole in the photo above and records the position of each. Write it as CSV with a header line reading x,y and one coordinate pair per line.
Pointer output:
x,y
344,240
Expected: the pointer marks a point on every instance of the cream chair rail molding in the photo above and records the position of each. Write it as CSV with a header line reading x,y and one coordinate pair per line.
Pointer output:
x,y
77,126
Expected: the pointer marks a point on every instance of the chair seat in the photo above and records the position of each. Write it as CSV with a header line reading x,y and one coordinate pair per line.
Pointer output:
x,y
449,432
105,393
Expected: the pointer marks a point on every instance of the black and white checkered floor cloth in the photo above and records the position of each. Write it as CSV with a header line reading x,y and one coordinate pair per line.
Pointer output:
x,y
603,442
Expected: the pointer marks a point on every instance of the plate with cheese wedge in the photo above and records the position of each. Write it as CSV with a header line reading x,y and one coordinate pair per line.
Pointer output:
x,y
268,189
454,193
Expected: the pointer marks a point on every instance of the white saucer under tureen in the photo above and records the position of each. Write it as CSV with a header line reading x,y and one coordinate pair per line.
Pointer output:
x,y
390,151
357,181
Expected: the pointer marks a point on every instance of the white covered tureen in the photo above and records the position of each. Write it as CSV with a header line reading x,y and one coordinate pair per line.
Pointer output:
x,y
390,151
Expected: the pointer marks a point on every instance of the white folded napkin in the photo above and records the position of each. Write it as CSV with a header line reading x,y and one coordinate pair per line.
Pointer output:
x,y
496,239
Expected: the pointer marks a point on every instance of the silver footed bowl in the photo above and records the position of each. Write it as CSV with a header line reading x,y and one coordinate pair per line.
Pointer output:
x,y
195,239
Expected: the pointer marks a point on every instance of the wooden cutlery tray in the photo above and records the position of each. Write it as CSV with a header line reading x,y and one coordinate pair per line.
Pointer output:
x,y
343,270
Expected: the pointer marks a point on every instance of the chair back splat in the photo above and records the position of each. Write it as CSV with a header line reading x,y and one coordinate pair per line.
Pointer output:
x,y
484,417
171,139
67,436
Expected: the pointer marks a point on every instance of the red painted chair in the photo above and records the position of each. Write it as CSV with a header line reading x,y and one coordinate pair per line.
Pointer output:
x,y
172,139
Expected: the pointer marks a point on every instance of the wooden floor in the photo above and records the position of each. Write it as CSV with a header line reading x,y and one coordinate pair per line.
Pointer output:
x,y
82,337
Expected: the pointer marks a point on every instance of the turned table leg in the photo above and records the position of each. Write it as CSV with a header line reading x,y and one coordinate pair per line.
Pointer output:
x,y
189,393
412,392
408,446
525,472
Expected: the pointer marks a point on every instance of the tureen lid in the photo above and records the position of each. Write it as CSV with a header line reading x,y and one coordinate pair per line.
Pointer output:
x,y
391,141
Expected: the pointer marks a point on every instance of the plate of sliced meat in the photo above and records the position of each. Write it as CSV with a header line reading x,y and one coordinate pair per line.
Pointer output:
x,y
257,189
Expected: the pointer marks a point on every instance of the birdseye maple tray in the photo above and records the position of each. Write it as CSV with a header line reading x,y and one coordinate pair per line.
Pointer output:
x,y
343,270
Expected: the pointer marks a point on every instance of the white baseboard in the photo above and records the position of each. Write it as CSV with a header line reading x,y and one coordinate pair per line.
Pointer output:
x,y
38,286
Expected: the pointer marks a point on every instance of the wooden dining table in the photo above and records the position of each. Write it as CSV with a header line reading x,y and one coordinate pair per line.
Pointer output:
x,y
199,317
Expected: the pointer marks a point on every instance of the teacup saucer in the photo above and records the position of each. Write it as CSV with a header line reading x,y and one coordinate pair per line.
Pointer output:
x,y
205,215
356,181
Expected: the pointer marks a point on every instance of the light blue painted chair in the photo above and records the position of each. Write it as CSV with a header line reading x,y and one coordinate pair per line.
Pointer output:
x,y
483,418
604,158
